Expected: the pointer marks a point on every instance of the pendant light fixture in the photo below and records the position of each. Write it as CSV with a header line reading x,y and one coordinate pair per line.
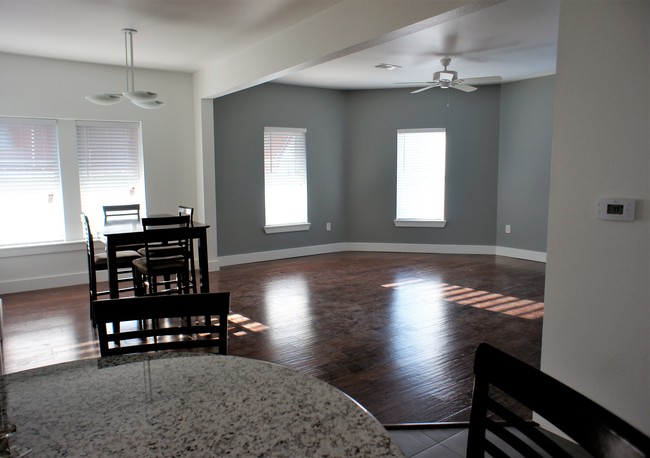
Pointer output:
x,y
142,99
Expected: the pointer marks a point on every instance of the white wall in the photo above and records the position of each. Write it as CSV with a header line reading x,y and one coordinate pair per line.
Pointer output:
x,y
597,318
34,87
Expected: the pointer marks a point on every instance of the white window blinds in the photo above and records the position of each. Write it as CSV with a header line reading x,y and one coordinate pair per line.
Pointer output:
x,y
110,165
285,176
30,182
421,174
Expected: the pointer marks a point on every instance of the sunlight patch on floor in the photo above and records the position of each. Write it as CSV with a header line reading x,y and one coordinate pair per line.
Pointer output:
x,y
494,302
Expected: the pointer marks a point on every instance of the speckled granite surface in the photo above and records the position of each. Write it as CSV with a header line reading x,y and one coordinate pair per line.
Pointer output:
x,y
200,406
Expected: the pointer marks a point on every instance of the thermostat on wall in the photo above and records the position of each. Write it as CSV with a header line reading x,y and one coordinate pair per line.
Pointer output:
x,y
616,209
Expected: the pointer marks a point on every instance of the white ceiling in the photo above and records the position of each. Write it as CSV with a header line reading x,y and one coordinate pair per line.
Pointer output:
x,y
515,39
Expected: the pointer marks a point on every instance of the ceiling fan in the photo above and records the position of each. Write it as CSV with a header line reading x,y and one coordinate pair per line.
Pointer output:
x,y
446,79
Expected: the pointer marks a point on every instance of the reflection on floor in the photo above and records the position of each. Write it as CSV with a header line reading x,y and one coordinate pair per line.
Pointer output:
x,y
395,331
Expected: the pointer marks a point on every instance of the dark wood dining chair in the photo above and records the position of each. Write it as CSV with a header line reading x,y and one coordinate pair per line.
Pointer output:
x,y
168,255
98,262
184,210
174,250
170,328
122,212
503,384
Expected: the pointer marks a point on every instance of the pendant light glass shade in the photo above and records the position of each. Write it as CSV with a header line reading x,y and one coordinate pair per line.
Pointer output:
x,y
140,96
142,99
148,104
104,99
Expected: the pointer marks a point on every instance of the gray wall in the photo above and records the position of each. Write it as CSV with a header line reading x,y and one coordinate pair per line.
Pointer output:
x,y
351,145
472,123
524,162
239,121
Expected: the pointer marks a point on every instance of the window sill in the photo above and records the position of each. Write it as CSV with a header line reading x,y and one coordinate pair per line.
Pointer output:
x,y
287,228
11,251
419,223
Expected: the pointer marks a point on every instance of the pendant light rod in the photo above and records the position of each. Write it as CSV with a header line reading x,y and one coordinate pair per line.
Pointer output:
x,y
128,52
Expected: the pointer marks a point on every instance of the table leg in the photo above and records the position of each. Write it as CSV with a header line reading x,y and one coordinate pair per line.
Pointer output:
x,y
203,263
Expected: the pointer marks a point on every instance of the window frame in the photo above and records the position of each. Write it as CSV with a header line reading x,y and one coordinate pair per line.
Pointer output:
x,y
286,226
70,188
420,222
128,142
34,145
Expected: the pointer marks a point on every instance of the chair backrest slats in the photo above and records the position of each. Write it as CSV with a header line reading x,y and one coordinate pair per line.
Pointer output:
x,y
121,211
184,210
502,382
179,237
200,319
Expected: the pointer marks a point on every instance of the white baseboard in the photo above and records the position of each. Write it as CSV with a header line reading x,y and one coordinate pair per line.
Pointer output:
x,y
421,248
379,247
50,281
280,254
529,255
77,278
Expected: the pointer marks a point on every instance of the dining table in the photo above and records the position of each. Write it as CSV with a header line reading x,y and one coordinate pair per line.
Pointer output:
x,y
184,404
127,233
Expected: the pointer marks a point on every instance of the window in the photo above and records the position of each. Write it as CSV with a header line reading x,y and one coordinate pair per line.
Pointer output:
x,y
46,181
285,179
110,166
421,177
30,182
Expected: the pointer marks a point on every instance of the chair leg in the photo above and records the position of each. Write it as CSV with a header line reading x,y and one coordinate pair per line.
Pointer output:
x,y
186,282
92,313
153,285
138,283
192,276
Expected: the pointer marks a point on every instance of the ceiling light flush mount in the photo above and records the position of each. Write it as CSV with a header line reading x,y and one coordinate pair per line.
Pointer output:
x,y
384,66
142,99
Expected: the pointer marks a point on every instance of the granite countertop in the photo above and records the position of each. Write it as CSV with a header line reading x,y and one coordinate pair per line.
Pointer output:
x,y
209,405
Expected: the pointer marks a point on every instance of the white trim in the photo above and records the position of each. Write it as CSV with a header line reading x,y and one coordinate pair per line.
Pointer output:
x,y
41,248
281,254
50,281
529,255
80,278
421,248
419,223
287,228
295,130
425,129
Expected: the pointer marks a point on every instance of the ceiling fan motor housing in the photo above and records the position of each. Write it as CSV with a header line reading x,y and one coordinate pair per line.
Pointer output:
x,y
446,77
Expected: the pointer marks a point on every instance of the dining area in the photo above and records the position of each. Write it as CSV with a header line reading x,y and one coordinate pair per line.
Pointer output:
x,y
164,383
152,245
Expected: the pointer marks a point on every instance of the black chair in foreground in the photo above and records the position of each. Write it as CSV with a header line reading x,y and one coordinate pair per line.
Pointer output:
x,y
177,322
97,262
501,379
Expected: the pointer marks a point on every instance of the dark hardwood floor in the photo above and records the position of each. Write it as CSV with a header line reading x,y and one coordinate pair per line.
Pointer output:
x,y
397,332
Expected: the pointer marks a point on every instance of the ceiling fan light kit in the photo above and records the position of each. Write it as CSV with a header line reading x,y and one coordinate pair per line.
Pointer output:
x,y
142,99
446,79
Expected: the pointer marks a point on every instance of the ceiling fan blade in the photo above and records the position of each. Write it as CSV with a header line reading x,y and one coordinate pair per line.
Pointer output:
x,y
426,88
464,87
483,80
415,82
